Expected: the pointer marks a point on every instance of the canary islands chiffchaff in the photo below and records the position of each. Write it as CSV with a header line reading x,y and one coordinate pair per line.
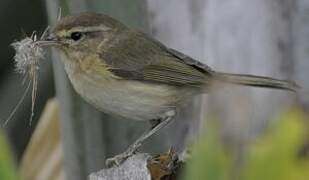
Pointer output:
x,y
126,73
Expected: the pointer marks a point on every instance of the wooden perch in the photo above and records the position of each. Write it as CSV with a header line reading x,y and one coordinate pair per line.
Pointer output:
x,y
165,166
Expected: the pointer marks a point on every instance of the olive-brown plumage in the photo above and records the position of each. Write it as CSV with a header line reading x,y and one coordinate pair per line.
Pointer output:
x,y
125,72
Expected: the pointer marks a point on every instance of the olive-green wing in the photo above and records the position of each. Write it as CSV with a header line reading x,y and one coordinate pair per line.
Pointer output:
x,y
136,56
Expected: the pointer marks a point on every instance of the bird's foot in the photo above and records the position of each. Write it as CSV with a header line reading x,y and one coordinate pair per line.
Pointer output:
x,y
116,160
120,158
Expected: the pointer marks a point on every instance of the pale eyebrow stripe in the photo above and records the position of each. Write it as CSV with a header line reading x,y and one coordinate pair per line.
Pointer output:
x,y
85,29
89,29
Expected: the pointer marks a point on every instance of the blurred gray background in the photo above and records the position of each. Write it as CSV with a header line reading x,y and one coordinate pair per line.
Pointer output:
x,y
261,37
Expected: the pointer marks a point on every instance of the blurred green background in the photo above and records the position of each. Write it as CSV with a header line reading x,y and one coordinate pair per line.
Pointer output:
x,y
280,153
8,169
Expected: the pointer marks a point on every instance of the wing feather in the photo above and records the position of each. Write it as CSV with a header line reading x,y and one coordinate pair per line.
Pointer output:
x,y
136,56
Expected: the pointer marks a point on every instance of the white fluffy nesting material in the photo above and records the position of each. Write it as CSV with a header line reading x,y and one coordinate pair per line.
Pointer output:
x,y
28,54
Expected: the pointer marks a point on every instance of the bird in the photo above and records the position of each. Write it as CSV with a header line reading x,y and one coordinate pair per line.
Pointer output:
x,y
127,73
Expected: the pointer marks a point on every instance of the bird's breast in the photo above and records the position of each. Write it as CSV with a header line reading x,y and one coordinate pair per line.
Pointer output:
x,y
127,98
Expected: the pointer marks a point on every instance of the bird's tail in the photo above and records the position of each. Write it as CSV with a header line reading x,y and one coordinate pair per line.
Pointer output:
x,y
257,81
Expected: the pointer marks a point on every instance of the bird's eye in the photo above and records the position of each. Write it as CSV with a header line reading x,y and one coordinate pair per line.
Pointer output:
x,y
76,36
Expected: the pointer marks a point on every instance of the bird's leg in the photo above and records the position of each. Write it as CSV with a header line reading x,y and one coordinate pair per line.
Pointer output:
x,y
155,122
118,159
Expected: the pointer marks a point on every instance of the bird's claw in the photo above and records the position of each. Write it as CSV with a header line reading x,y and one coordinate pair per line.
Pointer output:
x,y
116,160
120,158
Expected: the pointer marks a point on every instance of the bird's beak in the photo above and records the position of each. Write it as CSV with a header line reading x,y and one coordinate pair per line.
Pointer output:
x,y
50,40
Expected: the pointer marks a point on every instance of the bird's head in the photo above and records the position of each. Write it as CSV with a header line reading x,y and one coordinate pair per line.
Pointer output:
x,y
81,34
